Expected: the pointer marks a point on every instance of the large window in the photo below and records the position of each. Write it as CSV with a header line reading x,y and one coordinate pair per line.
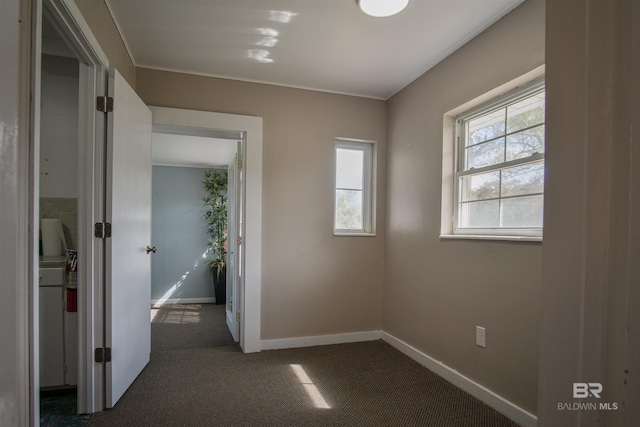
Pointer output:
x,y
354,187
500,166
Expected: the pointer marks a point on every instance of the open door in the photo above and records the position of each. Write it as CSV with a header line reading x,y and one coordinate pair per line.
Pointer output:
x,y
234,238
128,265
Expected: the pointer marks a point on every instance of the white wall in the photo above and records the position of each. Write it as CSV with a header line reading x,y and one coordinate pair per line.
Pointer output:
x,y
59,127
14,216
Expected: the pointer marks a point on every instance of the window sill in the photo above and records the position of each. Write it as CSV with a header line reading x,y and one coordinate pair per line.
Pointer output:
x,y
491,237
342,234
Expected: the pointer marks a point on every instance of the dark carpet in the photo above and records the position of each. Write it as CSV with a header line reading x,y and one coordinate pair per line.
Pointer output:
x,y
182,326
360,384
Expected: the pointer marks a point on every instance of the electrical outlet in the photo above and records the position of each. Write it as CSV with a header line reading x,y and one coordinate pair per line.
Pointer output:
x,y
481,337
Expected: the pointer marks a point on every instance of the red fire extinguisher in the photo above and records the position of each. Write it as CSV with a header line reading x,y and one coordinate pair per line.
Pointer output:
x,y
72,274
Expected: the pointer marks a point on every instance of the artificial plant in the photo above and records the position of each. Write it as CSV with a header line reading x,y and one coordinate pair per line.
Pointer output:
x,y
215,185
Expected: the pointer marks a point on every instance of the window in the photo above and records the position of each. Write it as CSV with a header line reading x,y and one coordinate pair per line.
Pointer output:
x,y
500,166
354,188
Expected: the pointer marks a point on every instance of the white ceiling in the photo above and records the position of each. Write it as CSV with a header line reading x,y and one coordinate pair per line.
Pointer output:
x,y
327,45
191,151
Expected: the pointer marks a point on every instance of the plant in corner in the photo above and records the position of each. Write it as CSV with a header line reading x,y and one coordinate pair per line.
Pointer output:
x,y
215,201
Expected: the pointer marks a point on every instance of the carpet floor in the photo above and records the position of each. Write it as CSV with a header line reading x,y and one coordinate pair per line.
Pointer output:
x,y
183,326
359,384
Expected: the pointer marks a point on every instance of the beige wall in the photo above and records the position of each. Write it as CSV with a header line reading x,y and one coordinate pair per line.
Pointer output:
x,y
103,27
432,300
313,283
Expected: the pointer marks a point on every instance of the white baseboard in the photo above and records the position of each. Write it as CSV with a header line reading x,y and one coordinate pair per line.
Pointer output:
x,y
478,391
209,300
320,340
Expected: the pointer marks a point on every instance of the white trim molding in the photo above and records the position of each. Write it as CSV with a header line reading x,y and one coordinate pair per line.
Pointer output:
x,y
476,390
298,342
250,302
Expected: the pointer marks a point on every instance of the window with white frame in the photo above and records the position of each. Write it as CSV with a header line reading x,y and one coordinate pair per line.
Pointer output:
x,y
500,166
354,187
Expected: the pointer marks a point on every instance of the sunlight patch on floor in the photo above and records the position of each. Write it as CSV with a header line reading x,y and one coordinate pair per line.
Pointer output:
x,y
311,389
176,314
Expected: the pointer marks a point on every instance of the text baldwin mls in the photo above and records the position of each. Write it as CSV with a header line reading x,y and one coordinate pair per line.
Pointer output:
x,y
583,391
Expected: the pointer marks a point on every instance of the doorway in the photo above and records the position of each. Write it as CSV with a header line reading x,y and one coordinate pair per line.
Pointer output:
x,y
84,139
229,126
61,197
180,272
185,165
185,310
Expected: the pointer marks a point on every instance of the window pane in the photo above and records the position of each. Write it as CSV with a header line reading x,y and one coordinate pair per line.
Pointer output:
x,y
524,144
486,154
522,211
520,180
480,214
505,141
485,127
349,168
526,113
348,210
481,186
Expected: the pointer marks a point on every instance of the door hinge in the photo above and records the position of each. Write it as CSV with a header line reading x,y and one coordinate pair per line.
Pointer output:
x,y
239,240
105,104
103,355
103,230
239,163
237,316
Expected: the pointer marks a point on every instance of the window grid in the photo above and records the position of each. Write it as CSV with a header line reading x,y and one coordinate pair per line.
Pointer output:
x,y
463,223
349,219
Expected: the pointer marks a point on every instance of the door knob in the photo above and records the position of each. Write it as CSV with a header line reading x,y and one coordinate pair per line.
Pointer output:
x,y
153,249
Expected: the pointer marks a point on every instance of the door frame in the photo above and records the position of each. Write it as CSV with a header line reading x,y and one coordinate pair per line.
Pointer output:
x,y
235,258
251,126
72,26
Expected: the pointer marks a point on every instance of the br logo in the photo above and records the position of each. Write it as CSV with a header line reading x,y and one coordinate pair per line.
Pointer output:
x,y
584,390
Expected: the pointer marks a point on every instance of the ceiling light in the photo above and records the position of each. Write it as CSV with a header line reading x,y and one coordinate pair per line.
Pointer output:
x,y
382,8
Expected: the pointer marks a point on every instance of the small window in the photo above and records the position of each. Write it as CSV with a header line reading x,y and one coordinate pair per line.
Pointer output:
x,y
500,166
354,187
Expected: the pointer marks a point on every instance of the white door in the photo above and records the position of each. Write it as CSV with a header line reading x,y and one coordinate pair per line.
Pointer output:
x,y
128,265
233,249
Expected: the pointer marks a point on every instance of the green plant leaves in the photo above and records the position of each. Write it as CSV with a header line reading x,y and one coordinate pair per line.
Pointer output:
x,y
215,185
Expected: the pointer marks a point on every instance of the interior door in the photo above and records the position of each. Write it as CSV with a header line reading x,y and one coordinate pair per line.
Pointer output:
x,y
128,265
233,249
